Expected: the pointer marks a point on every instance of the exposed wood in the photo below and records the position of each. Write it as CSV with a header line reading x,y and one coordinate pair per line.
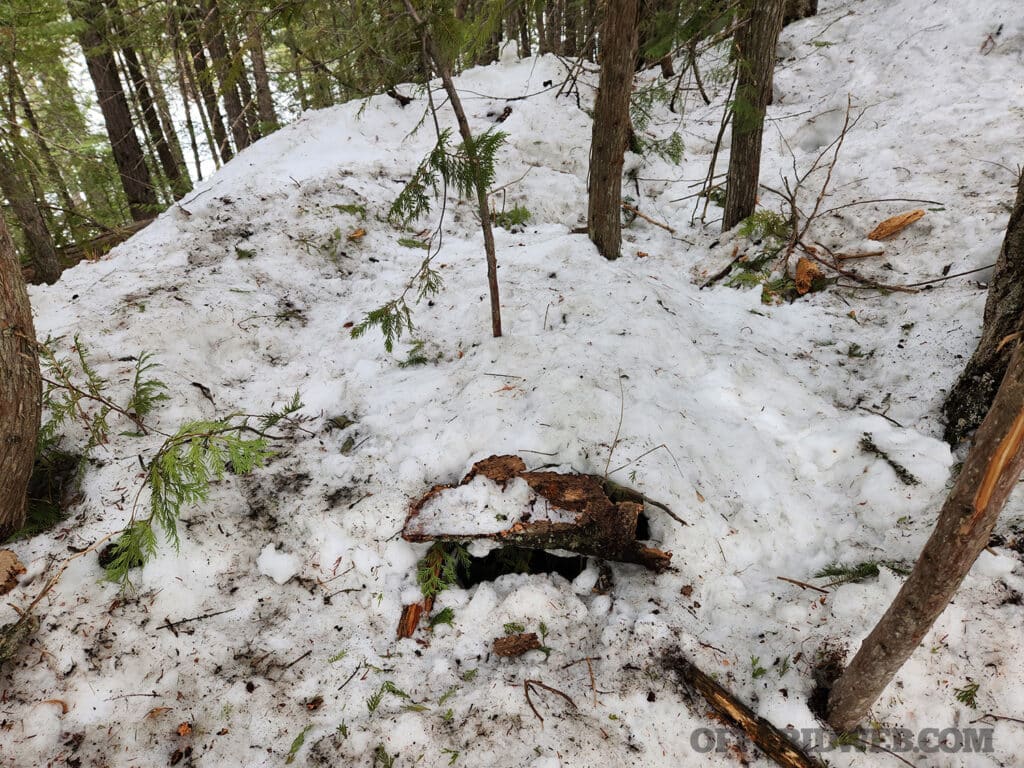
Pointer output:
x,y
769,739
965,524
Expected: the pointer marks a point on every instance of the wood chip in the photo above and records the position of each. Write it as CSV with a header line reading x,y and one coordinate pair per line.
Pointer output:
x,y
10,569
806,273
894,225
516,645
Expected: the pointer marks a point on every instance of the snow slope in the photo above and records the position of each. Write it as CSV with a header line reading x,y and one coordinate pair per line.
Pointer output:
x,y
755,414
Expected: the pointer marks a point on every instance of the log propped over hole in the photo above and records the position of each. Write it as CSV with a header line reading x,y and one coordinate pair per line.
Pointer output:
x,y
502,501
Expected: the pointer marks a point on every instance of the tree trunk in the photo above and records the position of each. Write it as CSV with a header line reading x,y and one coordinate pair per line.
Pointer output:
x,y
611,127
26,209
970,398
20,389
965,523
131,163
150,118
52,169
249,109
164,111
755,46
202,81
443,68
264,97
159,179
216,44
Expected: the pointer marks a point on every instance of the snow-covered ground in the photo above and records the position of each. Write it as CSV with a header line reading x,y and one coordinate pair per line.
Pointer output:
x,y
759,412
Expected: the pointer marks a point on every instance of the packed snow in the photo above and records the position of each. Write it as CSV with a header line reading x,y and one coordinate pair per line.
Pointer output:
x,y
746,419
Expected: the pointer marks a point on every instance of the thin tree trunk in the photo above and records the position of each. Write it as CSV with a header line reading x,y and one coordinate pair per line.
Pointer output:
x,y
970,398
444,70
186,97
610,133
571,20
249,109
300,85
26,210
202,81
159,179
216,44
164,111
542,32
965,524
147,107
52,169
264,97
20,389
523,24
755,43
128,155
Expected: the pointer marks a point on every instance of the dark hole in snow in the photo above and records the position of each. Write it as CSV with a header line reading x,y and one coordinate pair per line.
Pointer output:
x,y
519,560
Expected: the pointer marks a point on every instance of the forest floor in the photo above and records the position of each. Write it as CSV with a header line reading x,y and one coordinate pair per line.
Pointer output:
x,y
746,418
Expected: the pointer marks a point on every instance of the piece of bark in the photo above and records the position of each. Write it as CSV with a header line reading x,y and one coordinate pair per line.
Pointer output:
x,y
772,741
516,645
410,618
10,569
567,512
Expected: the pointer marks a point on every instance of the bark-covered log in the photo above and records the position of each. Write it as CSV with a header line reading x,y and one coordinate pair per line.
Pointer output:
x,y
970,398
772,741
965,524
561,512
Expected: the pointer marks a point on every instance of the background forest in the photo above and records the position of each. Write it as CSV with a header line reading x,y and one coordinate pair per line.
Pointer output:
x,y
264,244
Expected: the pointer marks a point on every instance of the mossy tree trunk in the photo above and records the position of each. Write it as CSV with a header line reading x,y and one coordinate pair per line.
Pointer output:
x,y
970,398
20,389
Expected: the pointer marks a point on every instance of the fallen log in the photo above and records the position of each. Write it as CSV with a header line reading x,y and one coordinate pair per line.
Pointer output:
x,y
501,500
772,741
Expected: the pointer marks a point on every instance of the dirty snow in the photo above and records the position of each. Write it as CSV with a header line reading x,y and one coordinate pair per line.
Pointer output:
x,y
748,419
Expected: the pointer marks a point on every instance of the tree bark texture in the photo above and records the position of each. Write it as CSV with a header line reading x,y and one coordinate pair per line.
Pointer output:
x,y
755,47
20,389
41,251
131,164
611,127
965,523
972,394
